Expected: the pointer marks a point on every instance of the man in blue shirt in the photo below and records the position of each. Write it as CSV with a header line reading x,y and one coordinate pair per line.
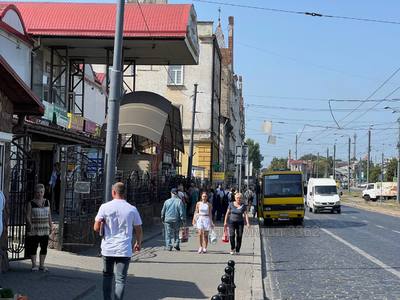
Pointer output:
x,y
172,215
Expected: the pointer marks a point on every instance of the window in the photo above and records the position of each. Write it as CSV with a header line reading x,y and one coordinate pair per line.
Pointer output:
x,y
2,161
175,75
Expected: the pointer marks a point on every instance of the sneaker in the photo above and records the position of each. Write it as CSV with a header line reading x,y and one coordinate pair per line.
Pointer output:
x,y
232,252
43,269
204,250
170,248
177,248
35,269
200,250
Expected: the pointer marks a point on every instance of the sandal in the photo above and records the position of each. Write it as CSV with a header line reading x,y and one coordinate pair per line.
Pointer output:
x,y
35,269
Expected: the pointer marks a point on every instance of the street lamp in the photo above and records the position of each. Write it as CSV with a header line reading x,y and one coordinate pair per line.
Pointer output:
x,y
394,110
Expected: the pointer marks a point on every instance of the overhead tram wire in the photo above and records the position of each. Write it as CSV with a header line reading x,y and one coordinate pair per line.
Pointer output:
x,y
368,98
304,13
152,38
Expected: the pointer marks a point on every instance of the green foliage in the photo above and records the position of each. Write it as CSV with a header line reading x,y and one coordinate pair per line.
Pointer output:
x,y
278,163
391,169
374,173
254,154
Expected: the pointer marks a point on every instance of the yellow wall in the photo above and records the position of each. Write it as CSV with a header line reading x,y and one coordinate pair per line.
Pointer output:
x,y
202,158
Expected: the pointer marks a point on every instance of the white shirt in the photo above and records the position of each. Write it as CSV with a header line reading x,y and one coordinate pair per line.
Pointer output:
x,y
2,204
120,217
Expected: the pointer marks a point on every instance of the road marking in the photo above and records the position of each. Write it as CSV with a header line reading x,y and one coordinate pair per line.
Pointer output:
x,y
365,221
363,253
396,231
353,217
379,226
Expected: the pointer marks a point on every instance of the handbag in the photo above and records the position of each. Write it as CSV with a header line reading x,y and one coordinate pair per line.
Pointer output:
x,y
184,234
225,236
213,237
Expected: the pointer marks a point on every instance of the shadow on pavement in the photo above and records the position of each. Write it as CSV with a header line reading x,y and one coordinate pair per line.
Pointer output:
x,y
73,284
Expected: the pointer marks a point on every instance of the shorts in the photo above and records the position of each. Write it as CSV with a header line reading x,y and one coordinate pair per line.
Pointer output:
x,y
33,241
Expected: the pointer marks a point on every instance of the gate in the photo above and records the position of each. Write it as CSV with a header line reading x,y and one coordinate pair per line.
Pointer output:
x,y
81,195
22,182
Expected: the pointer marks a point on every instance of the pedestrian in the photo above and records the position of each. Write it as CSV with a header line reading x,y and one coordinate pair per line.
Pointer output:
x,y
234,218
194,197
38,222
55,186
249,197
117,219
202,221
173,216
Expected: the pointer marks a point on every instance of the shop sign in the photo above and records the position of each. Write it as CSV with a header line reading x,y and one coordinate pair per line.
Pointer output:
x,y
90,126
61,117
75,122
218,176
48,111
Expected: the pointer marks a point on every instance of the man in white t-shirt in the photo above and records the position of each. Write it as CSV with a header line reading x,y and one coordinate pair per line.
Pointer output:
x,y
116,220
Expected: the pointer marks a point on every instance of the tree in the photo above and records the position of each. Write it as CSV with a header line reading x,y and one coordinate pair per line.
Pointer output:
x,y
391,169
278,163
374,173
254,154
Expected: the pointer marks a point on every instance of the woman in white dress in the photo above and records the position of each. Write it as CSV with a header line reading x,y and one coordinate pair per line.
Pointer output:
x,y
202,221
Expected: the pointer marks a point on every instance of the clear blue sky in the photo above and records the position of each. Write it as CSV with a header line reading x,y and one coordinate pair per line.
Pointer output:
x,y
298,62
284,58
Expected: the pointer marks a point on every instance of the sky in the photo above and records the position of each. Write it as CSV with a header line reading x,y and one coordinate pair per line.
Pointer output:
x,y
293,64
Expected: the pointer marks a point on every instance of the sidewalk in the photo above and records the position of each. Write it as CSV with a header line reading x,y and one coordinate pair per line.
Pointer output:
x,y
154,273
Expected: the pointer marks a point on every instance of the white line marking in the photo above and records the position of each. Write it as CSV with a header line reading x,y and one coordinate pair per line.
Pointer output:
x,y
365,221
363,253
379,226
396,231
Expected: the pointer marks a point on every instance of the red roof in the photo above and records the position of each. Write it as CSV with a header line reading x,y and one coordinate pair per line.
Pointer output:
x,y
4,8
98,19
24,100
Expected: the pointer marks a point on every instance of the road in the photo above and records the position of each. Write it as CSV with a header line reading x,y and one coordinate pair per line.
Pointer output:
x,y
355,255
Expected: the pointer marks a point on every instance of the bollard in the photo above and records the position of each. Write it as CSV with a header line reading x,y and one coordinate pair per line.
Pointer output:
x,y
231,264
222,291
230,273
216,297
226,279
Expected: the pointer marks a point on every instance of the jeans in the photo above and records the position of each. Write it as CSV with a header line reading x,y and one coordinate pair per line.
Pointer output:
x,y
122,265
236,228
171,234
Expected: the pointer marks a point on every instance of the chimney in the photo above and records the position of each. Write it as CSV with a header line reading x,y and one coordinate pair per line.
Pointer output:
x,y
230,38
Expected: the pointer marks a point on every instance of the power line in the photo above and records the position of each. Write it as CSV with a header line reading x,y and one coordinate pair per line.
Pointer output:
x,y
305,13
320,99
300,108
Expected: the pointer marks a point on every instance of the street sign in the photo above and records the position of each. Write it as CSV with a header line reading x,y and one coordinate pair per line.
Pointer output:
x,y
218,176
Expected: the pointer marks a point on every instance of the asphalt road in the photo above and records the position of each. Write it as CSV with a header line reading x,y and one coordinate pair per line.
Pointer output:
x,y
354,255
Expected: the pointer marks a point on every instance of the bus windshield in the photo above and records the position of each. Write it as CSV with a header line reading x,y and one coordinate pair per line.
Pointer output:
x,y
283,185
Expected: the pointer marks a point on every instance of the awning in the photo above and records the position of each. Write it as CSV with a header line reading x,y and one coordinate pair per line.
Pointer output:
x,y
158,34
151,116
24,100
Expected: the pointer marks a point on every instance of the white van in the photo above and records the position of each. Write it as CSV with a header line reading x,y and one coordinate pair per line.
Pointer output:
x,y
322,195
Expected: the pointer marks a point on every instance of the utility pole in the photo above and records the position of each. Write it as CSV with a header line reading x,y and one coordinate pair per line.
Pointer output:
x,y
114,102
327,163
317,165
369,153
354,145
348,169
190,157
240,168
295,150
334,161
355,159
398,166
380,198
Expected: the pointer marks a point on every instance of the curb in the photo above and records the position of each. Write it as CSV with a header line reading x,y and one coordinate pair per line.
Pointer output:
x,y
257,289
371,209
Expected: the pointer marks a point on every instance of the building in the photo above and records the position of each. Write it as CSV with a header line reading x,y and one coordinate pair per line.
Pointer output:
x,y
232,106
176,83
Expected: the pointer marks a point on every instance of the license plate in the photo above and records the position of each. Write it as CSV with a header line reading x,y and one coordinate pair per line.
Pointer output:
x,y
284,215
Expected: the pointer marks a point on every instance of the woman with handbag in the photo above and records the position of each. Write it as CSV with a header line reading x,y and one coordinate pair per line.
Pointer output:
x,y
202,221
235,217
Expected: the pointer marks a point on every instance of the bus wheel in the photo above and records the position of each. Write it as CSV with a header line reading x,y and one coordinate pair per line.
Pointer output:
x,y
298,222
267,222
